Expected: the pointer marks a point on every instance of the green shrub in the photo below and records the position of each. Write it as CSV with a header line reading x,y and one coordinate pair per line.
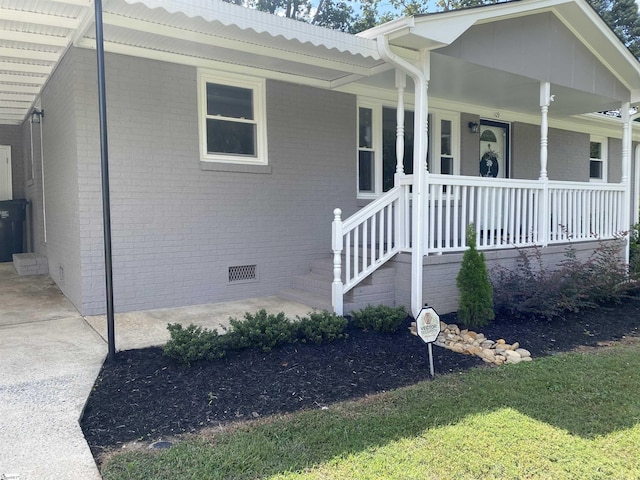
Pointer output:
x,y
190,344
533,289
262,330
475,307
380,318
634,250
321,327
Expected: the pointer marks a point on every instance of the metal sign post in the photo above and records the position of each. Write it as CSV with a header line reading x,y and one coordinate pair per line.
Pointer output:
x,y
428,327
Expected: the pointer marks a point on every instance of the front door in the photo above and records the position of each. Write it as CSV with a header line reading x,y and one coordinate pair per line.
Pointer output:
x,y
494,149
6,189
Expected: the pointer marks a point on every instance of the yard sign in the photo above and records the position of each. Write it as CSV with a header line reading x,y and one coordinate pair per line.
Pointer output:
x,y
428,326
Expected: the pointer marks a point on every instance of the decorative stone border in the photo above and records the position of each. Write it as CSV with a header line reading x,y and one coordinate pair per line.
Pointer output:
x,y
469,342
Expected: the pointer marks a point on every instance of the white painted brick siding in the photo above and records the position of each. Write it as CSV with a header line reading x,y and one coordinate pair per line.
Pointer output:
x,y
177,228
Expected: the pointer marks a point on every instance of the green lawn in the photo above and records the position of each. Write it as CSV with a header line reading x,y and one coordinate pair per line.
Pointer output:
x,y
570,416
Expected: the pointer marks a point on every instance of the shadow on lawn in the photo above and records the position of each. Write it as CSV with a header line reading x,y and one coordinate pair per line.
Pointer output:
x,y
587,395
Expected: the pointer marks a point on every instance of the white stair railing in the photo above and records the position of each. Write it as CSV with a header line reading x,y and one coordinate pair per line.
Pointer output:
x,y
368,239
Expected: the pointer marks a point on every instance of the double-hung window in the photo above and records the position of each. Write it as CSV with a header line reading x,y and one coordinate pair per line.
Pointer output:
x,y
377,148
444,143
232,119
598,159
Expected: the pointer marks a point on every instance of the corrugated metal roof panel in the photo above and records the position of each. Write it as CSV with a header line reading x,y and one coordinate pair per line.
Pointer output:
x,y
34,34
246,19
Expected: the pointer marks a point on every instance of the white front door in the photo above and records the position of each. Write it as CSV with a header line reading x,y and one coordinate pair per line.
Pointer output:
x,y
6,189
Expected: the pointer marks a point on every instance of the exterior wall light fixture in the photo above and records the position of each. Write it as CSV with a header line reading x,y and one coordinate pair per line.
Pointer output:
x,y
474,127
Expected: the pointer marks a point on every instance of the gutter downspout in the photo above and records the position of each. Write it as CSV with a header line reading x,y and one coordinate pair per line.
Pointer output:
x,y
420,80
626,177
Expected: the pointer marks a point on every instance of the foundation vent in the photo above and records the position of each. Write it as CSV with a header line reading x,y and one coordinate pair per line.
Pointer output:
x,y
243,273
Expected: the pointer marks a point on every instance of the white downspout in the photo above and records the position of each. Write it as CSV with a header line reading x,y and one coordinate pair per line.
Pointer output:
x,y
625,180
636,186
420,79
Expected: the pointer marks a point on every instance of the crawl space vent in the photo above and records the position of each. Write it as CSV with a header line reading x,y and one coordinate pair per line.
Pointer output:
x,y
243,273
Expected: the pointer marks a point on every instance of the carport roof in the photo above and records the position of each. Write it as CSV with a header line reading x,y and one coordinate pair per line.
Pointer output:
x,y
35,34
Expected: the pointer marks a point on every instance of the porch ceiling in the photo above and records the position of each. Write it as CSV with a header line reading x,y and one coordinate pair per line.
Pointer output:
x,y
480,86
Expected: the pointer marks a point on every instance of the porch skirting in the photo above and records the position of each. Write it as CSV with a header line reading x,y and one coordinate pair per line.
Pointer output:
x,y
440,271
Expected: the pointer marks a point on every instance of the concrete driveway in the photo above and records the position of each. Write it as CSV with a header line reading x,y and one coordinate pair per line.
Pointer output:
x,y
50,357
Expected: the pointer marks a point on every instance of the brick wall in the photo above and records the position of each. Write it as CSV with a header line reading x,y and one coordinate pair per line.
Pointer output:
x,y
61,179
177,228
440,272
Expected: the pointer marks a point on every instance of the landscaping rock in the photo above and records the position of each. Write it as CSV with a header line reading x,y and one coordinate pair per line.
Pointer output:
x,y
468,342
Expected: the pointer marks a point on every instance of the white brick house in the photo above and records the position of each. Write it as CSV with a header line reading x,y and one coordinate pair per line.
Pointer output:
x,y
235,135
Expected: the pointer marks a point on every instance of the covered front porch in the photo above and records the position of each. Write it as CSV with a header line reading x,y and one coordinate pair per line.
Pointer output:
x,y
427,212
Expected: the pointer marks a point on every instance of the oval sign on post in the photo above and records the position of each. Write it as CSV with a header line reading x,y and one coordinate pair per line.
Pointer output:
x,y
428,325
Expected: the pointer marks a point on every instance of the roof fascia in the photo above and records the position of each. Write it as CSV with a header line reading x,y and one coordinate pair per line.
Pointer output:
x,y
445,27
170,31
198,62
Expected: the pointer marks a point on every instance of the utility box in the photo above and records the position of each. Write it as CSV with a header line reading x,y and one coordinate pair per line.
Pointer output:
x,y
12,217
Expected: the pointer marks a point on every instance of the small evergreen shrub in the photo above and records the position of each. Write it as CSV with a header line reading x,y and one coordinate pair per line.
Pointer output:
x,y
381,318
262,330
475,307
321,327
190,344
533,289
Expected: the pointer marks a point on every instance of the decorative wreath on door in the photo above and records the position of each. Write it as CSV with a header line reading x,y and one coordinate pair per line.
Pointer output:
x,y
489,164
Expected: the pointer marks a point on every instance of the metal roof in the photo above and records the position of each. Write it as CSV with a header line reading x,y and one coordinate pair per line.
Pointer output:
x,y
35,34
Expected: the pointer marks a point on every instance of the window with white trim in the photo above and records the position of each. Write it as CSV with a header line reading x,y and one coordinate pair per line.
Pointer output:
x,y
598,159
368,151
232,119
444,143
377,148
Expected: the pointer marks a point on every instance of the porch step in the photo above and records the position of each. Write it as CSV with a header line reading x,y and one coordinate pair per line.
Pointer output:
x,y
30,264
314,300
314,288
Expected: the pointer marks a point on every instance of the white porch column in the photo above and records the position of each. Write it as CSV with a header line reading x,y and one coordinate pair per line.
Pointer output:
x,y
544,217
401,84
420,73
545,100
420,187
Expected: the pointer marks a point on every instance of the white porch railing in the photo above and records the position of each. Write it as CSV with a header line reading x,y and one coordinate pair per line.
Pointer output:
x,y
505,212
518,212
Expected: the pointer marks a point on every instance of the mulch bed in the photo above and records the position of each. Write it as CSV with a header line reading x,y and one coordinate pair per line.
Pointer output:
x,y
145,396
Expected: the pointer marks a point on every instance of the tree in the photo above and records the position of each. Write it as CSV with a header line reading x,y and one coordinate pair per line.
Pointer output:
x,y
475,308
623,18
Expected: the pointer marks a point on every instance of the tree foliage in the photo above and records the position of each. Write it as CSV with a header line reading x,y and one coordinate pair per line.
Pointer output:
x,y
475,307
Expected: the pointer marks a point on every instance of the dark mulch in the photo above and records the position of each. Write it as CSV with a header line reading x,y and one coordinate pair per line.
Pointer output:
x,y
144,395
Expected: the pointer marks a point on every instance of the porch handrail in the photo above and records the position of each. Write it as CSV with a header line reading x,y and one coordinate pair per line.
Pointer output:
x,y
510,212
369,238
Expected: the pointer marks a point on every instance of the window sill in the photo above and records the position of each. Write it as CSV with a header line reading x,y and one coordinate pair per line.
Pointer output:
x,y
234,167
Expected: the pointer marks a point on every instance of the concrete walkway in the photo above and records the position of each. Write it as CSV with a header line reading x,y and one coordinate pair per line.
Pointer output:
x,y
50,357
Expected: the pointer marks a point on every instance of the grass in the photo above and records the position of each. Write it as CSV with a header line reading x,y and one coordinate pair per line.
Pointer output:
x,y
574,416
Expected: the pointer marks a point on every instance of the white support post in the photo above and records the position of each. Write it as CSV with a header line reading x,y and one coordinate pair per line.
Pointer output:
x,y
626,162
544,218
420,197
401,84
420,73
337,246
545,100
